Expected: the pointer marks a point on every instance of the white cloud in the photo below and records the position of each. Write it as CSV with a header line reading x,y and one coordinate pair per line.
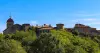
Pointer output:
x,y
90,19
85,14
85,20
33,22
95,23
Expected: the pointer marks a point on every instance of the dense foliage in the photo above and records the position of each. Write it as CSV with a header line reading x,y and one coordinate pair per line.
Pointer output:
x,y
58,41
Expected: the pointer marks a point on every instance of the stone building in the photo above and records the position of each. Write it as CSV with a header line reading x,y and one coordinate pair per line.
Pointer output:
x,y
59,26
82,29
12,28
47,28
86,29
43,29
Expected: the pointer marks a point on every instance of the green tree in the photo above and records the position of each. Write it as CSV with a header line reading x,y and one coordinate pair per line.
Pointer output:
x,y
11,46
75,32
46,43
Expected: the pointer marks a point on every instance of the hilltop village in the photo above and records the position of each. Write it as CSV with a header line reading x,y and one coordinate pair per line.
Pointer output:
x,y
82,29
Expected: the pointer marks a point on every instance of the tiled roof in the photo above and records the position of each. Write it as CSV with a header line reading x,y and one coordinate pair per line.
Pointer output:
x,y
81,26
46,28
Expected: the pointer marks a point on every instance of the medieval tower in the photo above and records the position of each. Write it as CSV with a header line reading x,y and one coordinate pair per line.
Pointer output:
x,y
60,26
10,22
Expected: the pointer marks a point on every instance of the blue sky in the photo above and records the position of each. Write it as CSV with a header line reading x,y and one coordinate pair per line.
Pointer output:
x,y
51,12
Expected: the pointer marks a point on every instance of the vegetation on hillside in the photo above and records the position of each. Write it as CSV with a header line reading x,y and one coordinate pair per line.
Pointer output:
x,y
58,41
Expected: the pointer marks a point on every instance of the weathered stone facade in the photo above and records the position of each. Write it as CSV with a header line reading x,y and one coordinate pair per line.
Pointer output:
x,y
60,26
83,29
12,28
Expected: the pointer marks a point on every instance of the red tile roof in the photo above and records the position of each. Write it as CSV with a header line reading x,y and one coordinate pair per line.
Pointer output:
x,y
46,28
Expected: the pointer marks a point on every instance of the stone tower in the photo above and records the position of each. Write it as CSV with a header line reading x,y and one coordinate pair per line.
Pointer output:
x,y
10,22
60,26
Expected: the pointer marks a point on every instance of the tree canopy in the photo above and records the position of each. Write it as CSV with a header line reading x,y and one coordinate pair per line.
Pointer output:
x,y
58,41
